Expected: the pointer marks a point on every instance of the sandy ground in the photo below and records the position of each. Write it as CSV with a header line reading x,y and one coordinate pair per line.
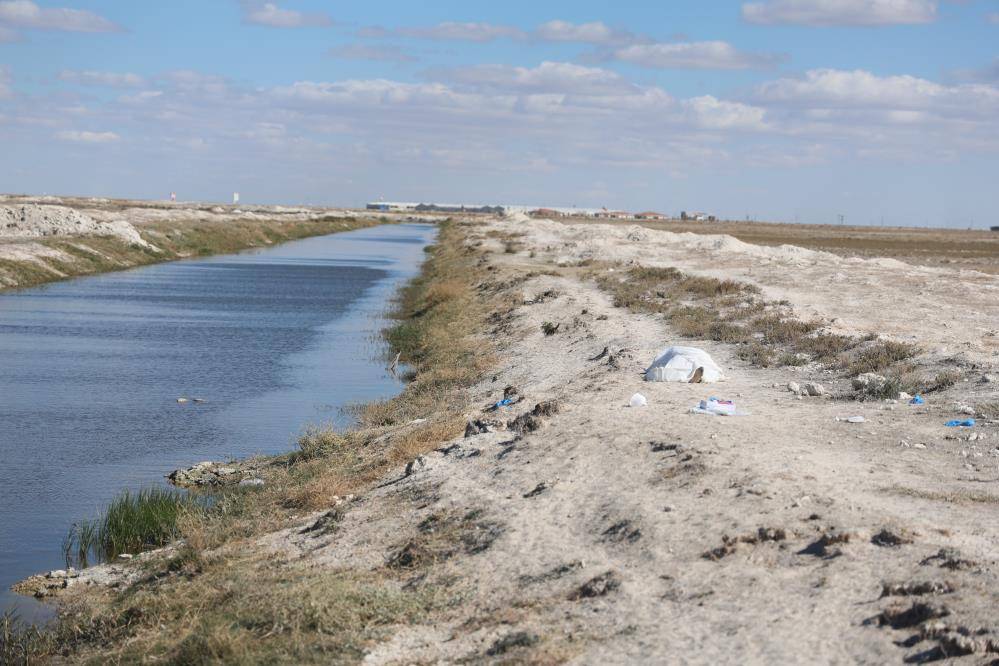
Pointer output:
x,y
766,538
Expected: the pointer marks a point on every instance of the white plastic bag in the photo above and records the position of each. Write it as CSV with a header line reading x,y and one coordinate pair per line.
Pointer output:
x,y
679,364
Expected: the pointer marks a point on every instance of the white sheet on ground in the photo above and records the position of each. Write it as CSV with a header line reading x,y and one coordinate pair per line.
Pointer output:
x,y
678,364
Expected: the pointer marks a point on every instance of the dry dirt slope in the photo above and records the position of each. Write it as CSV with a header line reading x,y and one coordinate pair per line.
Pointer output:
x,y
600,533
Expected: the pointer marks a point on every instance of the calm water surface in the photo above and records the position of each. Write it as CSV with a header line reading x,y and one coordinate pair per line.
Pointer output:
x,y
91,369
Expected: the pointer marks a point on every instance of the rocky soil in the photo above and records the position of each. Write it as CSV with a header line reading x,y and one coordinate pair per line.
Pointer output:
x,y
36,221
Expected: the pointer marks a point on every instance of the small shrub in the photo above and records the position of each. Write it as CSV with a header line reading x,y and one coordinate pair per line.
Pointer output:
x,y
825,346
757,354
692,322
722,331
549,328
882,355
322,441
792,359
943,380
886,390
988,410
778,330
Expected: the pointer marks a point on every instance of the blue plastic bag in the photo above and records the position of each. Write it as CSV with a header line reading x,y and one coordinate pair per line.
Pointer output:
x,y
961,423
918,400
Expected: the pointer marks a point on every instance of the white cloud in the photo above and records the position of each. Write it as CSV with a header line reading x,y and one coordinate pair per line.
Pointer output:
x,y
8,36
465,32
841,12
106,79
27,14
712,113
595,32
270,15
692,55
374,53
87,137
548,78
831,88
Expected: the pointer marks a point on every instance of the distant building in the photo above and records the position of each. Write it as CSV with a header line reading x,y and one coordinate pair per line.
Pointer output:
x,y
401,207
697,217
613,214
650,215
546,213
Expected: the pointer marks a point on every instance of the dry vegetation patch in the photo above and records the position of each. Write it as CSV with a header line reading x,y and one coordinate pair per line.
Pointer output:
x,y
767,332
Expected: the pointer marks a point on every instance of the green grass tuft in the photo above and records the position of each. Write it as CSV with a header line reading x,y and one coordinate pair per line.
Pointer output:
x,y
132,523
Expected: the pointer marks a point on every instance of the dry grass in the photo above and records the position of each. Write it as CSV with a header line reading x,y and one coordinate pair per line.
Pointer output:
x,y
248,611
988,410
706,308
953,497
881,355
767,333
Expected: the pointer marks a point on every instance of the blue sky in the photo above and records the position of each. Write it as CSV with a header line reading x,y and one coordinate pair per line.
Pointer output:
x,y
776,109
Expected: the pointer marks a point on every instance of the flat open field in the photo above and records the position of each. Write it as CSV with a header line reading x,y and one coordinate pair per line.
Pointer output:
x,y
954,248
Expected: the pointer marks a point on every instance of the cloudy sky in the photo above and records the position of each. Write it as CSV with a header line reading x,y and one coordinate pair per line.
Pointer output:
x,y
776,109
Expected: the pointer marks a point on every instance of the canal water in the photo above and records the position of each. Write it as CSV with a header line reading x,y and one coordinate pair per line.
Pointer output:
x,y
91,370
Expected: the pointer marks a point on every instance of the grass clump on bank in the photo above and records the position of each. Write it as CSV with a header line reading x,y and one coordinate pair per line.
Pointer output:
x,y
132,523
18,642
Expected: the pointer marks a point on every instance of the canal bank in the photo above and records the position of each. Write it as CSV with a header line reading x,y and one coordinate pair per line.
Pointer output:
x,y
44,240
270,340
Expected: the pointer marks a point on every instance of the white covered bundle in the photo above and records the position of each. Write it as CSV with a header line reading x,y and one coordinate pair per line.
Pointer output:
x,y
680,364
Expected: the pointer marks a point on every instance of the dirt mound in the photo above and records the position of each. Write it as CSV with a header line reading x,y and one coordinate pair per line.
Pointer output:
x,y
36,221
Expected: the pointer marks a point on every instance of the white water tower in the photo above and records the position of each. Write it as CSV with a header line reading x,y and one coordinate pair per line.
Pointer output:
x,y
235,198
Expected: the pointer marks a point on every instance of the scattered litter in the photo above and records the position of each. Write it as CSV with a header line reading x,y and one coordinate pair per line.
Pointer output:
x,y
251,483
852,419
917,400
638,400
961,423
966,409
505,402
717,407
684,364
